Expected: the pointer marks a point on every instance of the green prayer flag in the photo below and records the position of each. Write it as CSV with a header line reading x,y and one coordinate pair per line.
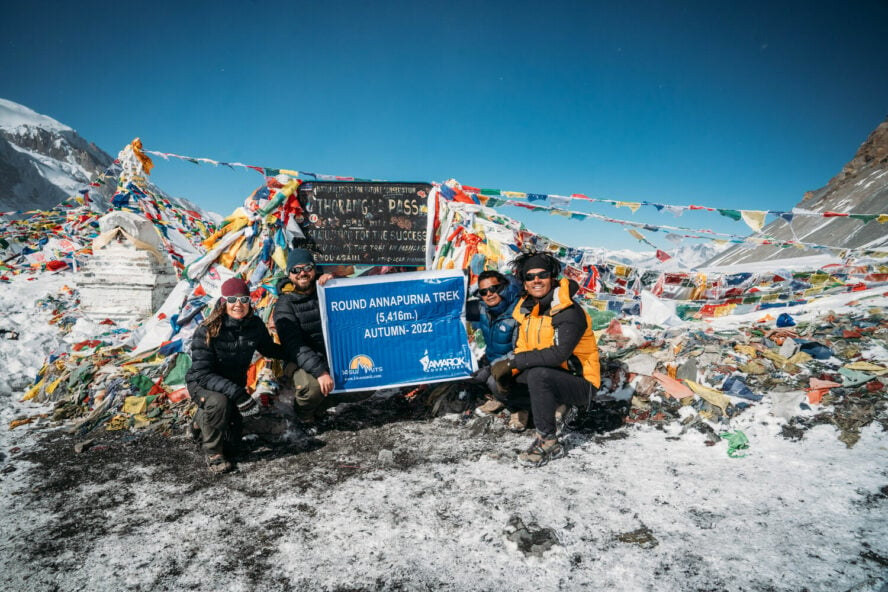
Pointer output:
x,y
177,374
732,214
143,383
737,440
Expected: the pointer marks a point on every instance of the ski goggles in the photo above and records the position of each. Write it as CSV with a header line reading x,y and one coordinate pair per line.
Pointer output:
x,y
233,299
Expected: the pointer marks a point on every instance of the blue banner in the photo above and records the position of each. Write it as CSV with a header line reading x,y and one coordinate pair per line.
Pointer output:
x,y
396,330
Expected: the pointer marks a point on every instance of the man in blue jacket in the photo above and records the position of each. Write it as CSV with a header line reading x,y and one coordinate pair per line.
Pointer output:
x,y
497,295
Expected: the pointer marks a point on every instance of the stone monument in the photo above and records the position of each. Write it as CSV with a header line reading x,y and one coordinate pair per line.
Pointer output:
x,y
129,276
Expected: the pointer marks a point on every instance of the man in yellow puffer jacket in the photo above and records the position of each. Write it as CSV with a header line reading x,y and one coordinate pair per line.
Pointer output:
x,y
555,356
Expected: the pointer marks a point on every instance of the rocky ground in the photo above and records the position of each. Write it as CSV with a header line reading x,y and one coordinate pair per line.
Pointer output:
x,y
139,511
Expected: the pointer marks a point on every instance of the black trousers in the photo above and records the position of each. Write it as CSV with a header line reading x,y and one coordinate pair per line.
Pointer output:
x,y
548,388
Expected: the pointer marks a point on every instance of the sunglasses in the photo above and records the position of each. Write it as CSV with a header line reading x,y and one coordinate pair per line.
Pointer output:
x,y
297,269
543,275
233,299
494,289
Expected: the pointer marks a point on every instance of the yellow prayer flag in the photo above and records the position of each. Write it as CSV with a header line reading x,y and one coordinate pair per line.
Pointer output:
x,y
867,367
141,421
628,204
717,398
227,258
279,257
747,350
32,392
755,219
290,187
799,357
52,387
135,405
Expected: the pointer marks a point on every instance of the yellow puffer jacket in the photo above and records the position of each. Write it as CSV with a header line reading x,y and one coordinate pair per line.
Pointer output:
x,y
537,332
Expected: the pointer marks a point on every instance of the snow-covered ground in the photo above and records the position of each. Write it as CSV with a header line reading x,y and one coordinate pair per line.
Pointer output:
x,y
435,504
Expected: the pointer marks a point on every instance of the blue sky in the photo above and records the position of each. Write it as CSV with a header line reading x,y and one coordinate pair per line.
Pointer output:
x,y
730,105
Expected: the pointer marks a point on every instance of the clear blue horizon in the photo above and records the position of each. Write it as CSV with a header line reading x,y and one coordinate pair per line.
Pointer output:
x,y
717,104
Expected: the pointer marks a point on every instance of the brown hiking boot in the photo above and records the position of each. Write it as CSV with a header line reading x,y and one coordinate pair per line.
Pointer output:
x,y
518,421
541,452
217,463
491,407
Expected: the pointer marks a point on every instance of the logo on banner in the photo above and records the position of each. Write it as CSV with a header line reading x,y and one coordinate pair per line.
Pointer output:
x,y
429,365
362,364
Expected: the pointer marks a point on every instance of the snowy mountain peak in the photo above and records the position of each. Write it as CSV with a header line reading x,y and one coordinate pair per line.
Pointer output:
x,y
42,162
15,117
681,258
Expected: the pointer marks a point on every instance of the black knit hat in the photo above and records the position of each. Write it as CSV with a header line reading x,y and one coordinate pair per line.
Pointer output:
x,y
535,260
299,257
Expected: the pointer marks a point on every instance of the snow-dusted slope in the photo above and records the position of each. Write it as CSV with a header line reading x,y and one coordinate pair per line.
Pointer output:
x,y
42,161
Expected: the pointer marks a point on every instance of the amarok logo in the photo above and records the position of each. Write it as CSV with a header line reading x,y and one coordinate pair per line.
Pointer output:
x,y
429,365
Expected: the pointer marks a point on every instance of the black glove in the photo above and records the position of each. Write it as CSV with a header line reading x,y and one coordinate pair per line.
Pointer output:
x,y
247,406
502,373
481,375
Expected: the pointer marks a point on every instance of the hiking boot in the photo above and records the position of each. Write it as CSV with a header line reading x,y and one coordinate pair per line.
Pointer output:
x,y
218,464
491,407
564,416
541,452
518,421
312,425
194,432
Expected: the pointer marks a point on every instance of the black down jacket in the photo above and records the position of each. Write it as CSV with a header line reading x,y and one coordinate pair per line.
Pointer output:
x,y
297,318
222,364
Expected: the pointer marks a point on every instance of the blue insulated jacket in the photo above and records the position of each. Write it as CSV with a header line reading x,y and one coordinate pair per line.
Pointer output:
x,y
497,324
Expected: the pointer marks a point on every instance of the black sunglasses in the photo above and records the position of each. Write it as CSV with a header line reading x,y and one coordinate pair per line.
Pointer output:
x,y
233,299
297,269
543,275
494,289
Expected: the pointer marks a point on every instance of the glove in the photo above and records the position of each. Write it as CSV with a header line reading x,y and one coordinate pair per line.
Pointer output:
x,y
481,375
248,407
502,373
266,399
